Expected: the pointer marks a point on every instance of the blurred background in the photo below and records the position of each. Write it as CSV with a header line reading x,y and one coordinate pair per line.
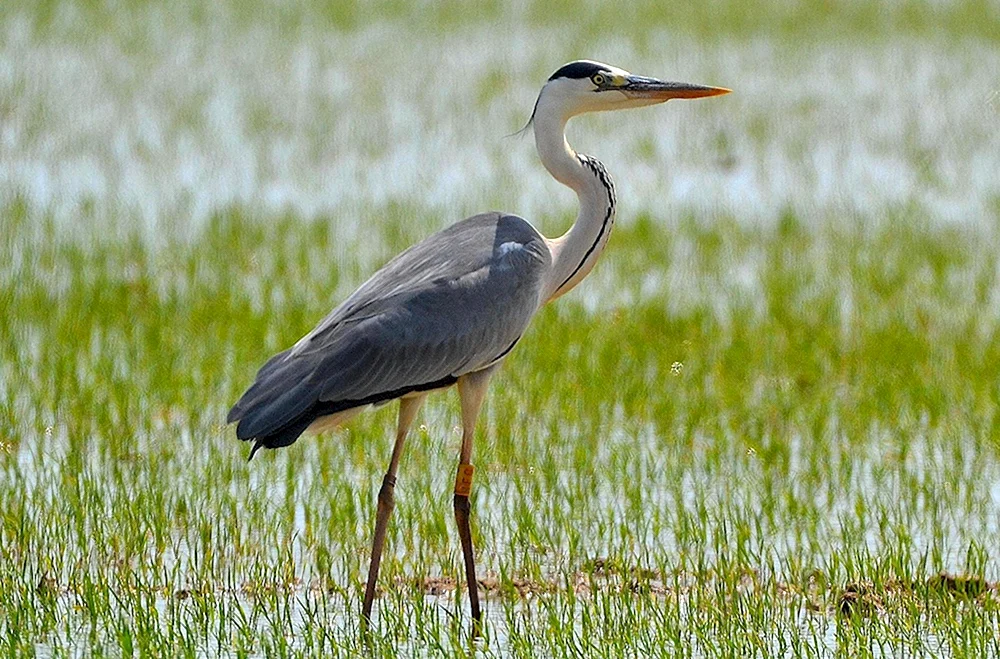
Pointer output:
x,y
164,113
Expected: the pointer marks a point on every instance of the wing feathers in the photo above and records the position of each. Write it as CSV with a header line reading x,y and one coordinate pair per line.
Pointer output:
x,y
447,306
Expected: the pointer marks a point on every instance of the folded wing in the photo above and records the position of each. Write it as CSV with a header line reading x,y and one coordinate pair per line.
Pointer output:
x,y
450,305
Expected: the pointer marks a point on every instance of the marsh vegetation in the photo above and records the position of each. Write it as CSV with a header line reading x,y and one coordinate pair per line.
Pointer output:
x,y
766,425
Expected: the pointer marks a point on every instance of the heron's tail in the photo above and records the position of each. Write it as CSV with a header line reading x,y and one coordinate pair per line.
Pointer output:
x,y
277,408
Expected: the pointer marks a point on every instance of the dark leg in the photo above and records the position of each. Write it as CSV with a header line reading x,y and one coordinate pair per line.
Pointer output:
x,y
463,485
471,390
386,501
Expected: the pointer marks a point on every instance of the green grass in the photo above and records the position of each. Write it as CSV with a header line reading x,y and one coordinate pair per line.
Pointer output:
x,y
765,425
705,479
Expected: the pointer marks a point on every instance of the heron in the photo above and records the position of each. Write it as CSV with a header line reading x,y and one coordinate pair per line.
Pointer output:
x,y
448,310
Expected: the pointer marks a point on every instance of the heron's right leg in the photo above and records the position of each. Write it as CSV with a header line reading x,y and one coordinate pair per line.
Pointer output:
x,y
472,391
386,500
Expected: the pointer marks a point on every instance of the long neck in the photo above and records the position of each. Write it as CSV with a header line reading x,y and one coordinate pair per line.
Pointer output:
x,y
576,251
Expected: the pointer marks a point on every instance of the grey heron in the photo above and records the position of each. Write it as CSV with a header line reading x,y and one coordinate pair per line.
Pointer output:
x,y
449,309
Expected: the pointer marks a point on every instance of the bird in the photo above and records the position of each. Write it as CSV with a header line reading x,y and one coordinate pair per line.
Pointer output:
x,y
448,310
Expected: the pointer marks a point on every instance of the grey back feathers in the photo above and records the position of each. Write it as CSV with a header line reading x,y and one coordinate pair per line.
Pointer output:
x,y
427,317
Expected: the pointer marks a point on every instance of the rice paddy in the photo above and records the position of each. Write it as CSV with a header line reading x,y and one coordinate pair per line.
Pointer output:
x,y
768,424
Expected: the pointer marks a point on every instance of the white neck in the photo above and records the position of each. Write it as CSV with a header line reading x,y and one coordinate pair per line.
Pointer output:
x,y
576,251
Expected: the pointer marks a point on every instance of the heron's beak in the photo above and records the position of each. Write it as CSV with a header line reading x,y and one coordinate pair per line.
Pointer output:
x,y
639,87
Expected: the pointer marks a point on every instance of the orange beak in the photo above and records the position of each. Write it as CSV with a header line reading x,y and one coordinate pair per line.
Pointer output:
x,y
658,90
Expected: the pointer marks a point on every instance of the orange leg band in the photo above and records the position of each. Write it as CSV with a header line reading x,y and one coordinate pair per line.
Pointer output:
x,y
463,481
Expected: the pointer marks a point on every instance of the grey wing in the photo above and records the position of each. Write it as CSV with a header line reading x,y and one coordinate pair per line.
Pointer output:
x,y
450,305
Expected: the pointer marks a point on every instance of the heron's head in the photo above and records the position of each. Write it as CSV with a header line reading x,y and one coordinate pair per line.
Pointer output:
x,y
587,86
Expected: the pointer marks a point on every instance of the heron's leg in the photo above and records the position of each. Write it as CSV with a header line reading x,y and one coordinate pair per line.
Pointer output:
x,y
471,390
386,501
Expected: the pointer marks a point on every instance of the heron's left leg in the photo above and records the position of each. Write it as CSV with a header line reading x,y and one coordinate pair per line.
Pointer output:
x,y
472,391
386,500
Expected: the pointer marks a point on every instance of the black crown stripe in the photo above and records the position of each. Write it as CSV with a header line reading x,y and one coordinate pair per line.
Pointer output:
x,y
579,69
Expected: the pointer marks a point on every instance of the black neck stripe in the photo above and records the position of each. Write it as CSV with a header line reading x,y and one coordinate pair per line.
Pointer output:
x,y
595,166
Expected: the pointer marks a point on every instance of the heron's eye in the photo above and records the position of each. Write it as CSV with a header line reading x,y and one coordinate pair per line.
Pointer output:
x,y
599,79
